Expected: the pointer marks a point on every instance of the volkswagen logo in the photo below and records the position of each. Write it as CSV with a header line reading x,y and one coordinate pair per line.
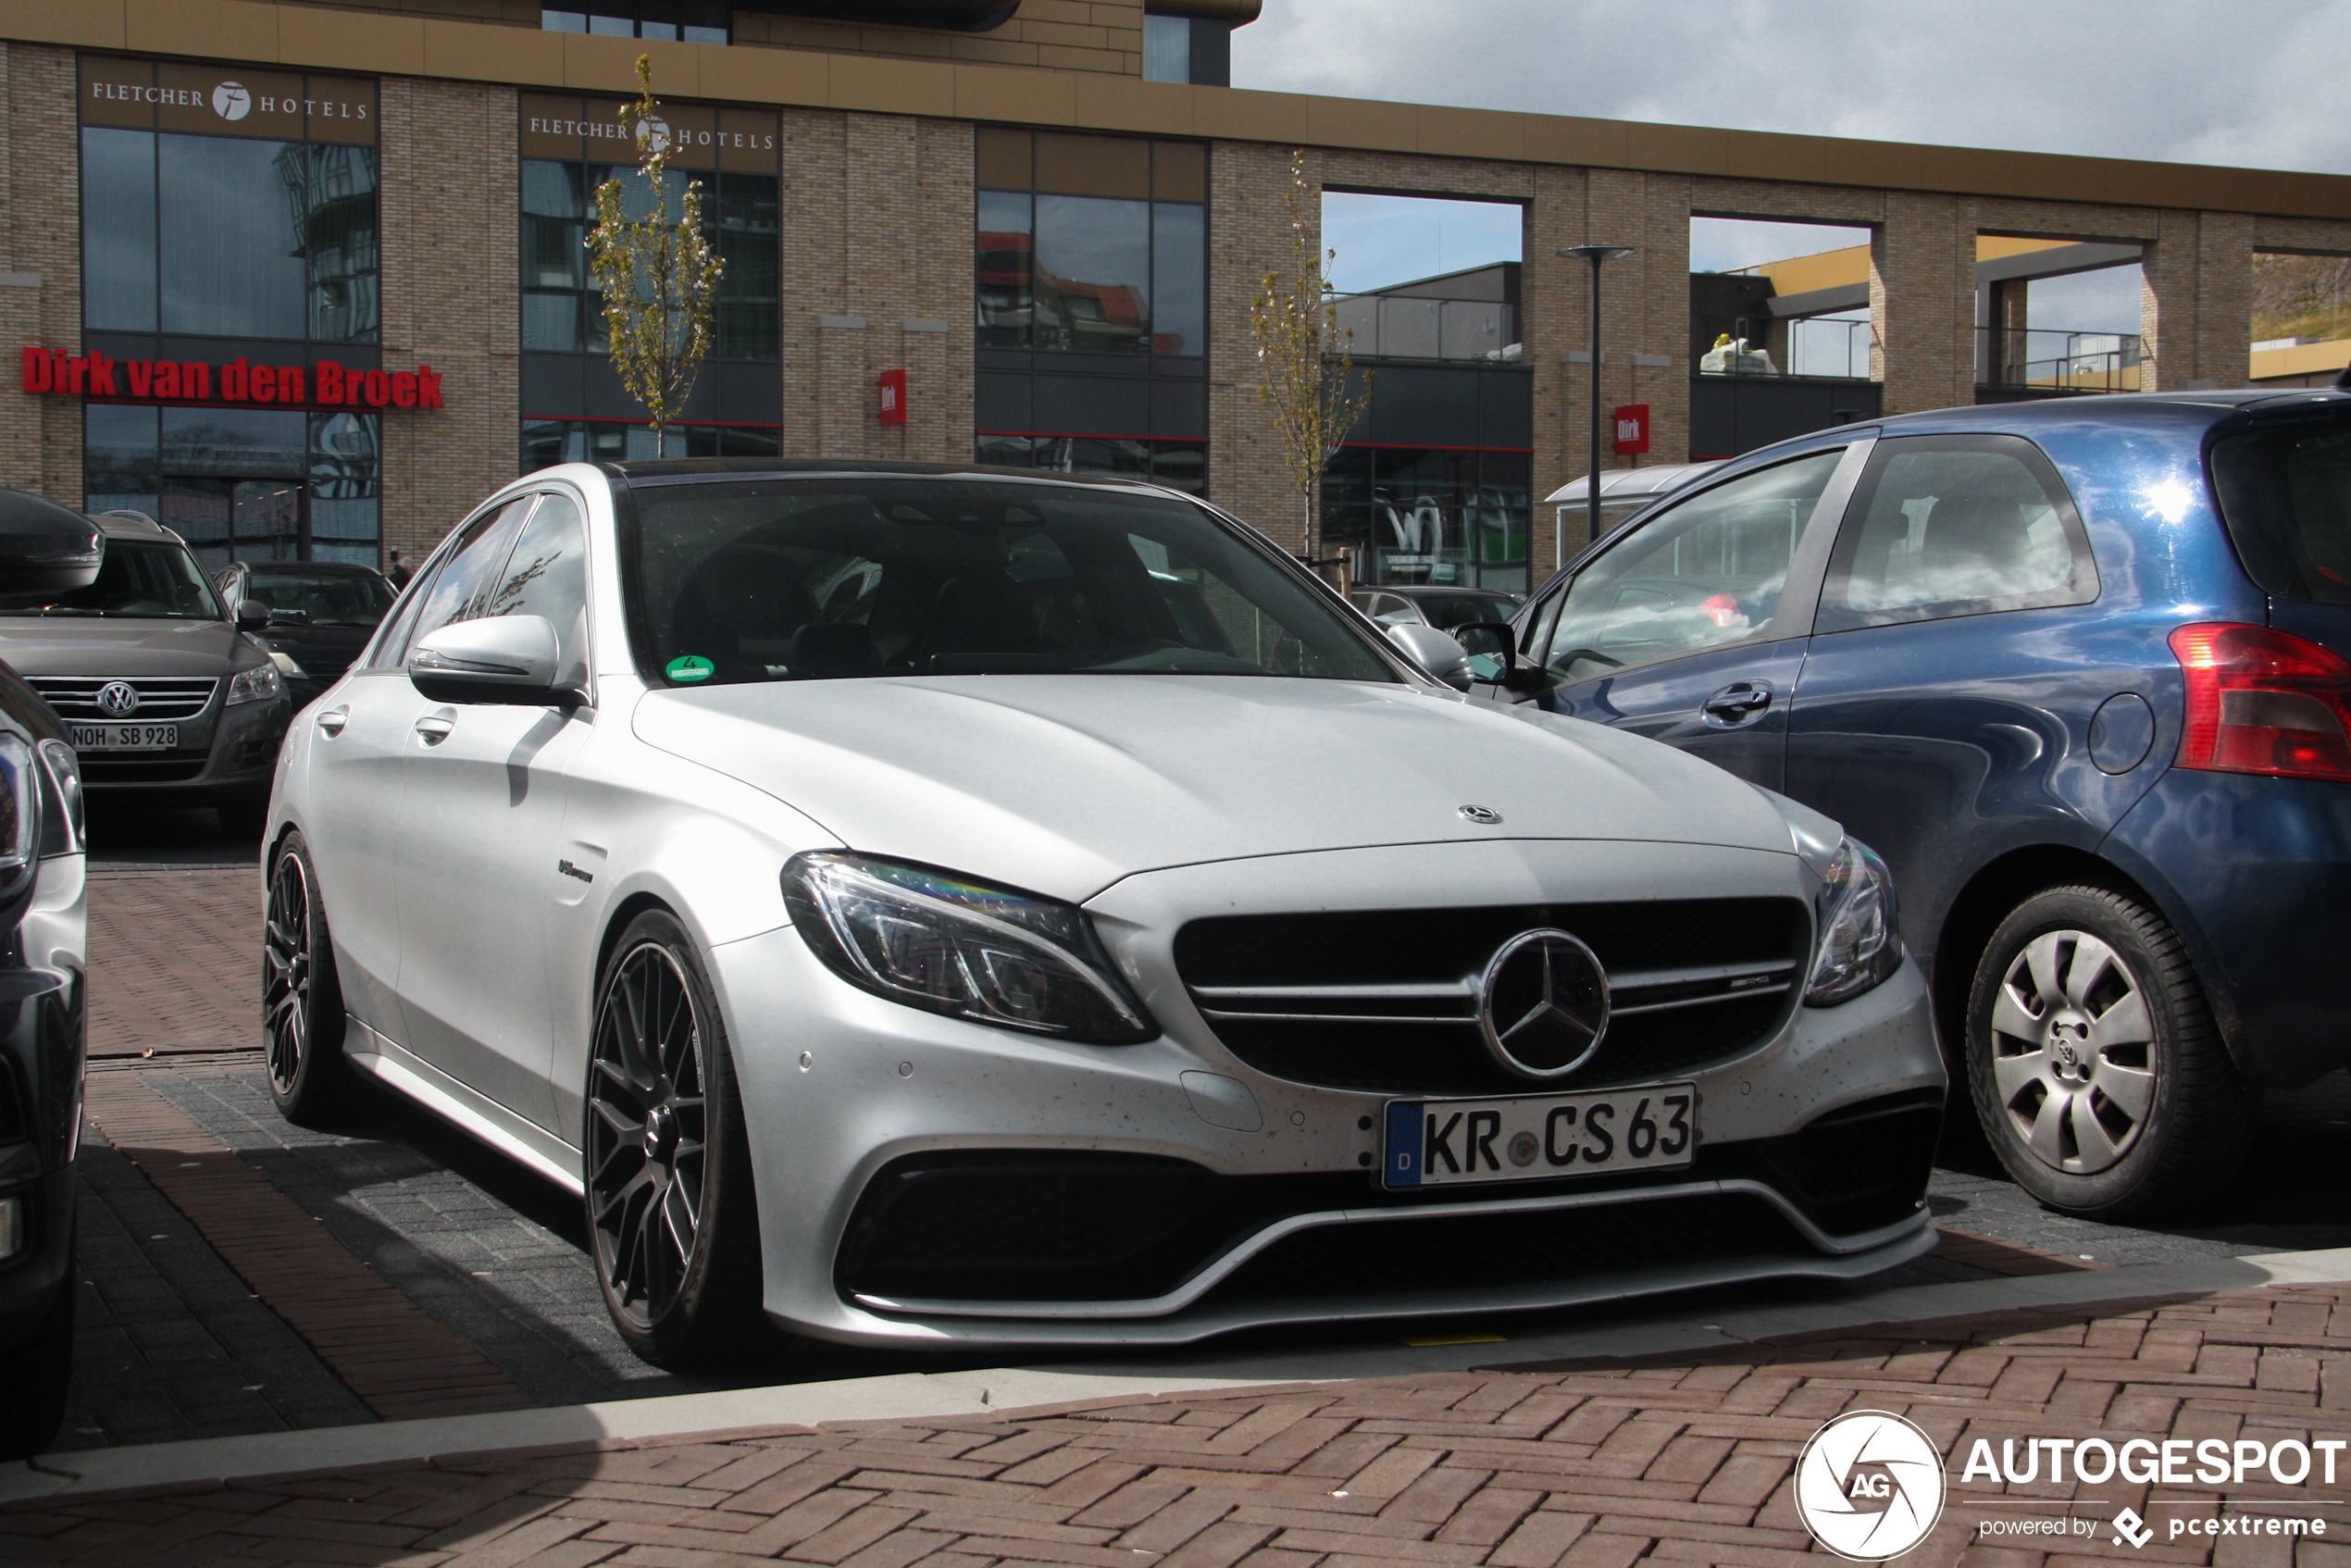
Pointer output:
x,y
1543,1004
1485,817
117,698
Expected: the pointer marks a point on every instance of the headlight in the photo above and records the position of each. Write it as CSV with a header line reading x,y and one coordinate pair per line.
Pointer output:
x,y
259,684
19,805
1861,934
931,940
65,772
285,663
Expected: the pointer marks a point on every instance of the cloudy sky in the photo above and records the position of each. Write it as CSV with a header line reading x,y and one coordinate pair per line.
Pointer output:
x,y
2261,83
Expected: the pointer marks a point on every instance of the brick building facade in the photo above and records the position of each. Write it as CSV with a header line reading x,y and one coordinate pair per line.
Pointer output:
x,y
876,183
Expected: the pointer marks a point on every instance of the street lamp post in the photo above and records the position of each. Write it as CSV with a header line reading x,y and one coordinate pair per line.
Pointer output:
x,y
1596,254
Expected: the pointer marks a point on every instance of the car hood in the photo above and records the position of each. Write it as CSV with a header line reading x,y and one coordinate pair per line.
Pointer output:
x,y
45,645
1063,784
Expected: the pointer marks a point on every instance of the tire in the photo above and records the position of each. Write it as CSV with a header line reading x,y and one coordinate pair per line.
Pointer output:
x,y
33,1375
302,1009
672,1215
2098,1075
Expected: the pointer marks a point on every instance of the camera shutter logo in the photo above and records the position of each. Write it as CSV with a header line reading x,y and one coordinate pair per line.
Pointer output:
x,y
117,698
1869,1485
231,101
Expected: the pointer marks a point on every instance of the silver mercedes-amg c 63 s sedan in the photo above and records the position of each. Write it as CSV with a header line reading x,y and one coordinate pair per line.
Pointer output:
x,y
938,906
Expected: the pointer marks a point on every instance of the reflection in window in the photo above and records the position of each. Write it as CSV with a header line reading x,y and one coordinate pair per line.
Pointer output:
x,y
563,309
546,443
1431,516
1179,465
1095,244
243,483
266,239
1952,533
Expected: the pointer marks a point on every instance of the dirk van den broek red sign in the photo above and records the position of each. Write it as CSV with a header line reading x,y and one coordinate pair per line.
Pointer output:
x,y
331,386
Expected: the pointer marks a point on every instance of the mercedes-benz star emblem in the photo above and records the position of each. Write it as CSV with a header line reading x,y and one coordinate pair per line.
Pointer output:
x,y
1543,1004
1485,817
117,698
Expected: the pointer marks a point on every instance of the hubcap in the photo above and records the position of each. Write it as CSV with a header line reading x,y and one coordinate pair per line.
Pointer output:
x,y
645,1133
285,972
2073,1052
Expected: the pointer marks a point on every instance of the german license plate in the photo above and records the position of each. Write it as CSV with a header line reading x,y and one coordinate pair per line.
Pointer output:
x,y
126,737
1440,1143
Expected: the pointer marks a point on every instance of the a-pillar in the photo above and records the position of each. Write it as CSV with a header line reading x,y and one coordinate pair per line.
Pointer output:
x,y
1923,303
2196,307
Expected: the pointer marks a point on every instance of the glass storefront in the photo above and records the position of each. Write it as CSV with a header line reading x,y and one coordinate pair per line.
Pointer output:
x,y
548,441
232,214
1180,464
1430,515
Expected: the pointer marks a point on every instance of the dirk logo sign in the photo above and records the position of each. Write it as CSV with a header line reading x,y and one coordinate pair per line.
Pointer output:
x,y
1632,429
1869,1485
325,385
893,397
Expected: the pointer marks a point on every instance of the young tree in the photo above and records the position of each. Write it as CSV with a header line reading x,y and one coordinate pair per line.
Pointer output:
x,y
1304,356
660,278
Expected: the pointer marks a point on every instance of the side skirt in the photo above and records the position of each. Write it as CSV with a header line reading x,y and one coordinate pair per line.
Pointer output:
x,y
476,1115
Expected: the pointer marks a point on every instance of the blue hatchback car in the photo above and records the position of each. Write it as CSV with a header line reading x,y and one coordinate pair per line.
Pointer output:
x,y
2078,671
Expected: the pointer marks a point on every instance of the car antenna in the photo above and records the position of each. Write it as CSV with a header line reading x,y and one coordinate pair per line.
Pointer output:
x,y
2342,382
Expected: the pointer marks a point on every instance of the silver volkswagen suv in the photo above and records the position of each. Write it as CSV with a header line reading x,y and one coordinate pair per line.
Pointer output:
x,y
169,700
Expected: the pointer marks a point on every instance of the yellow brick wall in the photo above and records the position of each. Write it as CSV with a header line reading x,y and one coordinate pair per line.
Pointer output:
x,y
39,189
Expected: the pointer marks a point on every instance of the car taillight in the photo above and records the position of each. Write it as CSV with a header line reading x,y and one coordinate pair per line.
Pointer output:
x,y
2261,701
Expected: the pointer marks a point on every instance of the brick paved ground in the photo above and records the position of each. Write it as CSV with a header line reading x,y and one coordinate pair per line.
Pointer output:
x,y
175,961
1584,1466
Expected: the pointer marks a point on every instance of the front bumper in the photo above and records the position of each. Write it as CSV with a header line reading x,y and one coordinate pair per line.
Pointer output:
x,y
839,1086
233,760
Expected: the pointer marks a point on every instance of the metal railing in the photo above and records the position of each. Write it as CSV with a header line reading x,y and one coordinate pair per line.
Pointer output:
x,y
2048,359
1400,326
1813,347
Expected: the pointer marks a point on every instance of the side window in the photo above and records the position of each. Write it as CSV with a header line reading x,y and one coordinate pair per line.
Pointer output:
x,y
1705,573
1948,525
462,585
547,574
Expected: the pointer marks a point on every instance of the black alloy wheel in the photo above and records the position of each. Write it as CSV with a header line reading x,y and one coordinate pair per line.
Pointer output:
x,y
668,1185
301,995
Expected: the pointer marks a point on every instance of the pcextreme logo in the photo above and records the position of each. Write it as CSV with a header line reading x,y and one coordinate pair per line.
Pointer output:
x,y
1869,1485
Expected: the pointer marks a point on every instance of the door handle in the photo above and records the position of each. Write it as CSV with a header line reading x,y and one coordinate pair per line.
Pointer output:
x,y
435,729
331,722
1738,703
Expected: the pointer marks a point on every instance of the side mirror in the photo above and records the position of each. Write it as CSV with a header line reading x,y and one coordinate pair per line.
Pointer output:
x,y
1435,652
496,659
43,547
1492,647
251,614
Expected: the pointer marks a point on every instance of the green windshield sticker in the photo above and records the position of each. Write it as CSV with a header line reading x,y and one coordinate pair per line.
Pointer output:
x,y
687,668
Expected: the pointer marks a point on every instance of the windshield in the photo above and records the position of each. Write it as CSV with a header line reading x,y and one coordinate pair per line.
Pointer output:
x,y
836,578
323,599
1448,609
139,580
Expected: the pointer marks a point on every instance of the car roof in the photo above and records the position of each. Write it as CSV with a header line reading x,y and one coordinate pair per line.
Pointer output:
x,y
132,525
307,569
1431,589
2121,409
675,469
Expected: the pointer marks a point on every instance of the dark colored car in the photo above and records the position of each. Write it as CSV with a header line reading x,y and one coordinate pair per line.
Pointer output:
x,y
321,614
1443,608
169,701
41,1020
2080,670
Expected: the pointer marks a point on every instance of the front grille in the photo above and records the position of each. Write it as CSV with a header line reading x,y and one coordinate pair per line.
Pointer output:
x,y
98,768
161,699
1385,1002
1494,1251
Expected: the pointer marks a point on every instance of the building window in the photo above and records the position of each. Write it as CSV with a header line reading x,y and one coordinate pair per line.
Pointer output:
x,y
231,213
1194,49
569,147
239,483
1180,464
690,21
546,443
1431,515
1092,292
